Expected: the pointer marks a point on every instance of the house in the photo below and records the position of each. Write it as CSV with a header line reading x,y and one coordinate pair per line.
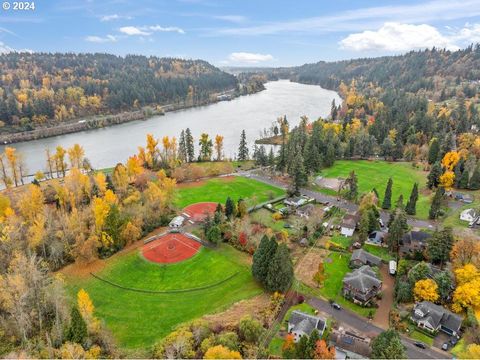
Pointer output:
x,y
414,241
361,285
376,237
349,224
350,346
305,211
296,201
468,215
433,318
302,324
361,257
176,222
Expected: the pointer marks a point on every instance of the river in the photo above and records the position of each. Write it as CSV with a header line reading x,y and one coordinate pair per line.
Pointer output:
x,y
108,146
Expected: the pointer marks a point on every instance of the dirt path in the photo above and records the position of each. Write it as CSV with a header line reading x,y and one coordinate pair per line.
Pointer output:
x,y
381,318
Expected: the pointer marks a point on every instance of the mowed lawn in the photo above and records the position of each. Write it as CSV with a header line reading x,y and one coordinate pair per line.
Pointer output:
x,y
137,320
218,189
336,267
375,174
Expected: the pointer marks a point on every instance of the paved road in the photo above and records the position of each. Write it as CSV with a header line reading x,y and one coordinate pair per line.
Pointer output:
x,y
344,204
363,326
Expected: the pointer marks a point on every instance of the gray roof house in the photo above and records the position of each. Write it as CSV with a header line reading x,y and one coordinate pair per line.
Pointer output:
x,y
361,257
361,285
349,224
296,201
302,324
432,317
350,346
376,237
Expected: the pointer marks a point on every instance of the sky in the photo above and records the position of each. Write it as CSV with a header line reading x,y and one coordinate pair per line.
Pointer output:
x,y
241,32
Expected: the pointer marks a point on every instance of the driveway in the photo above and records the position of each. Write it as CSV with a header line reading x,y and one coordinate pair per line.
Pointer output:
x,y
363,326
382,315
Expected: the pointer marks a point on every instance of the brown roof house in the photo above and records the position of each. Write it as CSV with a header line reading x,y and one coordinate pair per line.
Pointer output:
x,y
361,285
414,241
361,257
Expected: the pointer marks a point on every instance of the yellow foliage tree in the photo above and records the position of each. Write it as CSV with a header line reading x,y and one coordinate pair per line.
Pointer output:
x,y
471,352
221,352
100,208
31,203
101,182
447,179
467,293
426,290
450,160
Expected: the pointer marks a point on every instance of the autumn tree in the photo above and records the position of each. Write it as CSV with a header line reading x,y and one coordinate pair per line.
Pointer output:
x,y
60,164
13,161
75,155
221,352
465,250
426,290
323,351
288,347
206,145
219,147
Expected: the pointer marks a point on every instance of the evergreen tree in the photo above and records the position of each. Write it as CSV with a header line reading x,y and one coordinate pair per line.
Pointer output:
x,y
433,151
280,270
387,198
243,148
182,147
433,178
189,145
440,245
411,208
388,345
77,331
229,208
271,157
436,204
298,174
475,179
262,258
352,183
312,343
399,203
463,181
375,191
397,229
333,110
444,280
302,348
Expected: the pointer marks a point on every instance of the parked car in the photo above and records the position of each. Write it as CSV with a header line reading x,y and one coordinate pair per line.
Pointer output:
x,y
445,346
420,344
392,267
336,306
453,340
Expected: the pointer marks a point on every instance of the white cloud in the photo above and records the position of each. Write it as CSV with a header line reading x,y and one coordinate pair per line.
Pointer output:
x,y
361,18
133,31
114,17
249,58
99,39
149,30
398,37
166,29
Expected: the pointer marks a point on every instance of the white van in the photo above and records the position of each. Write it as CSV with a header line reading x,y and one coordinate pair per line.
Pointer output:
x,y
392,267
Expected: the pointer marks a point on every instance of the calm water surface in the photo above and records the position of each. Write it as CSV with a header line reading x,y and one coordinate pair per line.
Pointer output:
x,y
108,146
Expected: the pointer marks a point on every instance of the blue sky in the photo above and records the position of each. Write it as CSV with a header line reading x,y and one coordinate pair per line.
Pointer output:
x,y
241,32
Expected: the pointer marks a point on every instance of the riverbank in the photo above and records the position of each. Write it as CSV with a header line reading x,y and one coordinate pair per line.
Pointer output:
x,y
102,121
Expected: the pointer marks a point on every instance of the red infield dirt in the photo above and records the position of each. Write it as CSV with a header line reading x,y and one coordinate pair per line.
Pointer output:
x,y
199,211
170,248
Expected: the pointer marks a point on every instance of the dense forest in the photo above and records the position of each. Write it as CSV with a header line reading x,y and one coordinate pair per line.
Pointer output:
x,y
42,88
437,73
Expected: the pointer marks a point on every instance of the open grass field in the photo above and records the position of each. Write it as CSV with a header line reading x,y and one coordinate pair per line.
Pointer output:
x,y
218,189
375,174
137,319
335,271
379,251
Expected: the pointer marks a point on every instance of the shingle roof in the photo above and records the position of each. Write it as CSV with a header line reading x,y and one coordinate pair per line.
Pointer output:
x,y
437,315
350,221
365,256
362,279
415,236
303,322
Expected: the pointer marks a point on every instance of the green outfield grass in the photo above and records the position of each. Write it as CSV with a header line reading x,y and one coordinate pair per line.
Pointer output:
x,y
137,320
375,174
218,189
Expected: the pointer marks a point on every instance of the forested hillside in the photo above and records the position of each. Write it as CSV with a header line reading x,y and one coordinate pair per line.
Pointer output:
x,y
41,88
440,74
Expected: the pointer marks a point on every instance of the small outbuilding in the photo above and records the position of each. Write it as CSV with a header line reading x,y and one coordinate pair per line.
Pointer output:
x,y
177,222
